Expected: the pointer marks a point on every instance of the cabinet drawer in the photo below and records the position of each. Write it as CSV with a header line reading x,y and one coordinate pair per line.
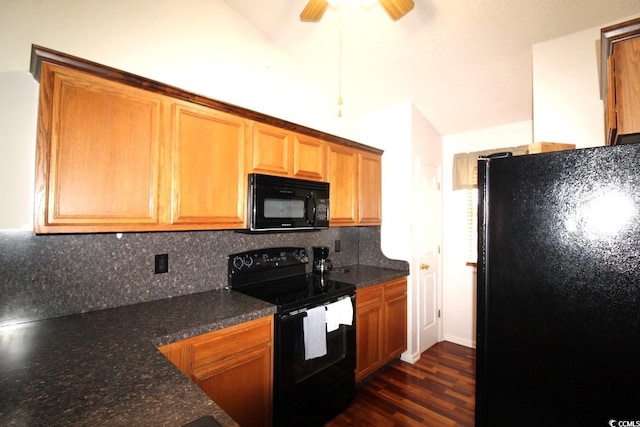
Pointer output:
x,y
370,296
396,288
216,346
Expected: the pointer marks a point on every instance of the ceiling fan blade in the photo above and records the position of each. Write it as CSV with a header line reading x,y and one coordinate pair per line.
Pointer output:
x,y
397,8
314,10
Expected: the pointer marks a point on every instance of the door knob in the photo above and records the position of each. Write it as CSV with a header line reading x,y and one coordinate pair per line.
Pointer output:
x,y
424,266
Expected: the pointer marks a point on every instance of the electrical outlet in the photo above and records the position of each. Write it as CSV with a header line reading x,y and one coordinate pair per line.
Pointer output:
x,y
336,247
162,263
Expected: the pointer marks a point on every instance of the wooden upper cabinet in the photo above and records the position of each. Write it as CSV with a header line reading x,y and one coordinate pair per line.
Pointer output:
x,y
118,152
610,114
277,151
207,177
626,56
270,150
369,189
343,181
309,158
620,88
356,184
98,154
112,157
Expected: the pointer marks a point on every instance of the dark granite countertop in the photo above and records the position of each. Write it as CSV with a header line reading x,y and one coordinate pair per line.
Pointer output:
x,y
103,368
365,275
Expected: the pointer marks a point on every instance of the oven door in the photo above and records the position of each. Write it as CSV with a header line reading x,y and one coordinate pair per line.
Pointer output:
x,y
311,392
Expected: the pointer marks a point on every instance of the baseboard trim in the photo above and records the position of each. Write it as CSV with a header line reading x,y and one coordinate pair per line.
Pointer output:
x,y
410,358
460,341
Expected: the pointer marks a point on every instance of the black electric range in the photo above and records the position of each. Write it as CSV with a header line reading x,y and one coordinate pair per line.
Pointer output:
x,y
307,390
278,276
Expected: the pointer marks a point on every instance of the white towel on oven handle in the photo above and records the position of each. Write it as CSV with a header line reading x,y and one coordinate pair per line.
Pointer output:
x,y
339,313
315,333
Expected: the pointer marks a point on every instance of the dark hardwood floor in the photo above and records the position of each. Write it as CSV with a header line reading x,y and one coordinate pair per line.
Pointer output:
x,y
438,390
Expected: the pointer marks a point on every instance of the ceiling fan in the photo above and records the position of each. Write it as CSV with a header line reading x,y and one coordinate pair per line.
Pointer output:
x,y
314,10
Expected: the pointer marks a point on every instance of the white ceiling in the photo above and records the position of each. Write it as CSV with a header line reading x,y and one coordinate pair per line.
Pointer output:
x,y
465,64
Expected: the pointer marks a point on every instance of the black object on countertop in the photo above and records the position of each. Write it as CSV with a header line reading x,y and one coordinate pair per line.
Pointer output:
x,y
206,421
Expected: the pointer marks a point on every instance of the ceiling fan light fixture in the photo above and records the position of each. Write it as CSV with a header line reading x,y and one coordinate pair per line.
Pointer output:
x,y
314,10
397,8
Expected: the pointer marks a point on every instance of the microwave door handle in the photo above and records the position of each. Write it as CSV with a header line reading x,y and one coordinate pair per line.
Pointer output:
x,y
311,209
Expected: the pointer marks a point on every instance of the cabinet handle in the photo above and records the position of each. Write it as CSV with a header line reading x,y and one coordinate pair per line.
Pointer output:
x,y
424,266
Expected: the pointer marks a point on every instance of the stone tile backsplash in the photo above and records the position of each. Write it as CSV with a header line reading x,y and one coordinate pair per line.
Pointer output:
x,y
55,275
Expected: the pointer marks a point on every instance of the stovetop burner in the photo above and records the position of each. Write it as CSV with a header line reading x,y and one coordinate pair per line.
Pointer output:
x,y
277,275
297,292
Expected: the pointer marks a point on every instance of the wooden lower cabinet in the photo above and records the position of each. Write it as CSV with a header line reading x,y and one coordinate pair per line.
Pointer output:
x,y
381,325
233,366
369,330
395,318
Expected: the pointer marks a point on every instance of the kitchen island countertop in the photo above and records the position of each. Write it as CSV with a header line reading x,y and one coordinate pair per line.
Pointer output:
x,y
103,367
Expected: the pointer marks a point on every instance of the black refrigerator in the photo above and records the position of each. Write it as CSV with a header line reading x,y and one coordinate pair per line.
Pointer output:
x,y
558,289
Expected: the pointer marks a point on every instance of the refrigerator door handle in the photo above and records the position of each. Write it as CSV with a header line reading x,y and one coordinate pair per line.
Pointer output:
x,y
501,155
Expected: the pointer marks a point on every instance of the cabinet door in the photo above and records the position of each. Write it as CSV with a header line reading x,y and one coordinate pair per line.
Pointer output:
x,y
369,330
98,154
233,366
369,189
395,318
240,387
270,150
627,87
309,158
208,179
343,178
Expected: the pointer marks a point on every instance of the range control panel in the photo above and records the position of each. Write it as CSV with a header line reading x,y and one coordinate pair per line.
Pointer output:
x,y
267,260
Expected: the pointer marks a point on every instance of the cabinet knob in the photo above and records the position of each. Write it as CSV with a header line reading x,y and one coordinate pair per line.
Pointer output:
x,y
424,266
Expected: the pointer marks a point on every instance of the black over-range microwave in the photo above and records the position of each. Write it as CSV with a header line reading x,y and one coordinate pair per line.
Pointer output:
x,y
280,204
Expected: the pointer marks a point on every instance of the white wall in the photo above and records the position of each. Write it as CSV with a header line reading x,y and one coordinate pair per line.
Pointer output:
x,y
199,46
18,113
459,296
406,136
566,97
390,129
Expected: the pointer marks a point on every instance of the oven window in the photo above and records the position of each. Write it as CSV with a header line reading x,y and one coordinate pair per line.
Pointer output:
x,y
283,208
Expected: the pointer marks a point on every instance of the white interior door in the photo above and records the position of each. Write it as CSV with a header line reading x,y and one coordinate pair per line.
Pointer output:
x,y
428,254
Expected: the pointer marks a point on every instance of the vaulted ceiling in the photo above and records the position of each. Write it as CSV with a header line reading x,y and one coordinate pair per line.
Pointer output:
x,y
465,64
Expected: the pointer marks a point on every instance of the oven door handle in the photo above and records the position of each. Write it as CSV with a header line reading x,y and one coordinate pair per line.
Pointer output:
x,y
289,317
